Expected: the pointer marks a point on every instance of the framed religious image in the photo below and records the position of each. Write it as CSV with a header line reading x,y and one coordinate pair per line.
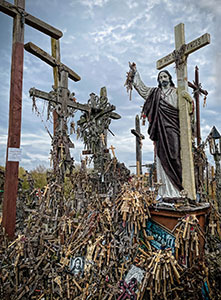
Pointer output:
x,y
136,273
76,266
163,237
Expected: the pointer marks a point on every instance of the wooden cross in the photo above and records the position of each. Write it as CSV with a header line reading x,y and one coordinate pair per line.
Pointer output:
x,y
61,97
212,226
186,220
61,146
178,232
112,148
122,270
99,111
103,138
179,56
20,17
139,138
197,90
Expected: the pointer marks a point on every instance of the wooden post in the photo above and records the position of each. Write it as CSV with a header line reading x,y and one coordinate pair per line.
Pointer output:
x,y
138,147
188,178
21,17
196,86
139,138
55,52
14,129
62,98
103,94
180,57
196,95
213,187
64,93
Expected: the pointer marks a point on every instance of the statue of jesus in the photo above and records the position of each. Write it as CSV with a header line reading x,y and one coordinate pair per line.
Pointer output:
x,y
161,110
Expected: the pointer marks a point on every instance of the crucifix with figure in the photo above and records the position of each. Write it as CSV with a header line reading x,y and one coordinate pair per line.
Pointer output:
x,y
179,56
168,109
20,18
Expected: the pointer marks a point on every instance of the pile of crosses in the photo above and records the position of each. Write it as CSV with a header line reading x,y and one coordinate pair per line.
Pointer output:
x,y
99,252
88,238
187,233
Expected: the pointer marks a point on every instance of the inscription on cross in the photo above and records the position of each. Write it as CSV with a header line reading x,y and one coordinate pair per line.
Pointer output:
x,y
179,56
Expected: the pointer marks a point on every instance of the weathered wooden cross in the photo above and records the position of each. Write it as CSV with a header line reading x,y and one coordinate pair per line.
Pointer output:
x,y
95,125
20,17
197,90
63,100
179,56
139,137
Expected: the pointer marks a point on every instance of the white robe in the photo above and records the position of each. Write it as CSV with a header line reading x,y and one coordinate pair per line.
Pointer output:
x,y
167,189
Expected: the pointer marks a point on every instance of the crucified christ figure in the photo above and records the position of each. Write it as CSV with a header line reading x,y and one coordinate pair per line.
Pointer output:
x,y
161,110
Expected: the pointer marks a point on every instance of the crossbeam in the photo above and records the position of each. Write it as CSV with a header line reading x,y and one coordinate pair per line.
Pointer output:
x,y
50,60
137,134
13,10
33,92
53,97
189,48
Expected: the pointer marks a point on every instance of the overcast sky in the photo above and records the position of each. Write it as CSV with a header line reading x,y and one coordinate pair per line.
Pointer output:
x,y
99,38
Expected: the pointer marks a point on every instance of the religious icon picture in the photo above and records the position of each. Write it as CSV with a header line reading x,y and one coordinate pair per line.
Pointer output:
x,y
136,273
76,266
163,237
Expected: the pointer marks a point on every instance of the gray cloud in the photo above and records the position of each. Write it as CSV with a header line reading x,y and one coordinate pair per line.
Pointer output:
x,y
99,41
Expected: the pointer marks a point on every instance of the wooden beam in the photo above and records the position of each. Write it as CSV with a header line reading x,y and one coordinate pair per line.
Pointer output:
x,y
55,52
30,20
188,177
190,47
138,147
14,129
49,97
35,50
43,27
137,134
8,8
50,60
197,90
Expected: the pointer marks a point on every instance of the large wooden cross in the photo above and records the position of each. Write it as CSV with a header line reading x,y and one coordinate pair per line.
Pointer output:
x,y
197,90
139,136
20,17
179,56
63,100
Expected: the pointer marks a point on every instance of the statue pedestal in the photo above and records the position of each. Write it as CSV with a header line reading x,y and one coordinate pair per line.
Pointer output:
x,y
168,216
